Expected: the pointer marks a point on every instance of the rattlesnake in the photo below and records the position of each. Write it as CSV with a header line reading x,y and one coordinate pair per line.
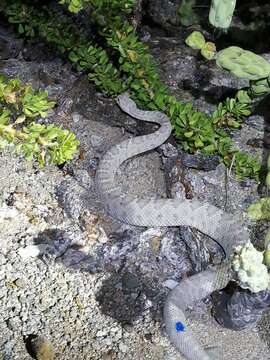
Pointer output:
x,y
207,218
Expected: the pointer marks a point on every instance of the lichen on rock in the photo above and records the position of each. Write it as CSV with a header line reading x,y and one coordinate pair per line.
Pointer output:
x,y
251,272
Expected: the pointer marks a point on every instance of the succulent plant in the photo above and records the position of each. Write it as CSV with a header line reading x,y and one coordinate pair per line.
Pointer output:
x,y
266,258
196,40
260,210
243,63
221,12
267,240
266,254
267,181
209,50
243,97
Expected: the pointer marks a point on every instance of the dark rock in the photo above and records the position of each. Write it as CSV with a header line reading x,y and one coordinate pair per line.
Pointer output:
x,y
130,281
70,199
200,161
190,77
241,310
257,122
164,13
10,46
255,142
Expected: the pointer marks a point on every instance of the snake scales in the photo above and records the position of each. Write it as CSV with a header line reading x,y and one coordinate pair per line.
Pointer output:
x,y
205,217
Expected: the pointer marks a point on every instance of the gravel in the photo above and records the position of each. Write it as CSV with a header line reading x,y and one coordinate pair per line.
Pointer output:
x,y
89,286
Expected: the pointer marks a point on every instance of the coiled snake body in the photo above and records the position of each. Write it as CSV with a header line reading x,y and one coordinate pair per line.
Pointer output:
x,y
205,217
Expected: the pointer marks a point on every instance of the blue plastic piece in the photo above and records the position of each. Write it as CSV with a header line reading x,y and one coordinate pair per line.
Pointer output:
x,y
179,327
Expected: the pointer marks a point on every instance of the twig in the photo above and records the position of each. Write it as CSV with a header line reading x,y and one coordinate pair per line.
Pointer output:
x,y
227,176
230,169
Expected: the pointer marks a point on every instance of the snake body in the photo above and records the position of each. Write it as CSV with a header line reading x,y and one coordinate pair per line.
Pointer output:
x,y
208,219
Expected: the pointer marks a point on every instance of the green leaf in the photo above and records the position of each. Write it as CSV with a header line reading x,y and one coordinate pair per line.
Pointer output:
x,y
20,29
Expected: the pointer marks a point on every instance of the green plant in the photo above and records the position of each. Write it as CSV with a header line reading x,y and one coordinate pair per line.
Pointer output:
x,y
231,113
260,210
132,67
187,14
244,165
221,12
73,5
243,63
267,181
196,40
20,104
115,5
22,99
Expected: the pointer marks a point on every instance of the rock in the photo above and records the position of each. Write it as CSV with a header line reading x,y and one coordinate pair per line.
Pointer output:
x,y
6,350
200,161
96,141
10,46
241,309
69,197
191,78
257,122
123,348
164,13
257,143
42,348
155,243
130,281
33,251
170,284
101,333
102,238
20,283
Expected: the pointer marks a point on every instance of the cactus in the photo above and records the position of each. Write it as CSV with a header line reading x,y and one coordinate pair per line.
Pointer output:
x,y
243,63
196,40
267,240
266,253
266,258
221,12
209,50
267,181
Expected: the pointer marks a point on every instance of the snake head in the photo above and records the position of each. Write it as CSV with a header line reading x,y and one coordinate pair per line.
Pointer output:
x,y
125,103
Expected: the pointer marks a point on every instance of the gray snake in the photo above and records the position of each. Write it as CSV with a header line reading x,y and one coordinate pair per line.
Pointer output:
x,y
206,218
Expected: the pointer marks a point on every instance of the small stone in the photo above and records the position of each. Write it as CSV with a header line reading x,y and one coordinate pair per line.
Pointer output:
x,y
102,236
123,348
170,283
20,283
33,251
76,117
42,348
101,333
12,325
96,141
155,243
